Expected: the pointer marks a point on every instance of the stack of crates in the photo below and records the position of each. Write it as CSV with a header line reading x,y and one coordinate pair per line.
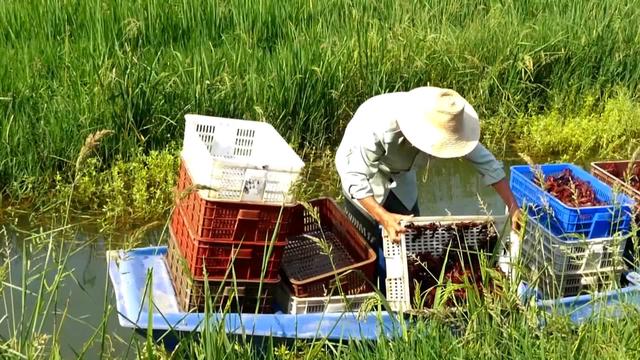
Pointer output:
x,y
233,214
569,250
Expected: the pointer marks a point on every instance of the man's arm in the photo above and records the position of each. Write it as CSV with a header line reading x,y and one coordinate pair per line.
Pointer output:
x,y
502,188
493,174
388,220
362,161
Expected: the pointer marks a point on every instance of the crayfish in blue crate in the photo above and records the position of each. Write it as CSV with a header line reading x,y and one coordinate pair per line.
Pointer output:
x,y
570,190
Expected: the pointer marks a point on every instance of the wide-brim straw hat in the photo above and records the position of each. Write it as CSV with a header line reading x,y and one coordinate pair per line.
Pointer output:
x,y
439,122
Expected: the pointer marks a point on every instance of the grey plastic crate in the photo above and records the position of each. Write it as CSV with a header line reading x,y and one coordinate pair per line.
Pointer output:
x,y
568,254
553,285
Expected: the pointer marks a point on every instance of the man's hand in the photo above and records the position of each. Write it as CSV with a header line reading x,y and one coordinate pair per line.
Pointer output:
x,y
391,224
516,218
389,221
502,188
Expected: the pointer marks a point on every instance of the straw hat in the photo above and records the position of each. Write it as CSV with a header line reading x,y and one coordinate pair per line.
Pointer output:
x,y
439,122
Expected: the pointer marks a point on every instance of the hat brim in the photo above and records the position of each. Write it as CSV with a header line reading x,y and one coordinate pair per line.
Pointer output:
x,y
437,142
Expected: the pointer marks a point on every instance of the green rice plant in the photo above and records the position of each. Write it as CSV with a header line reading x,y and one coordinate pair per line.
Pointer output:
x,y
579,138
136,68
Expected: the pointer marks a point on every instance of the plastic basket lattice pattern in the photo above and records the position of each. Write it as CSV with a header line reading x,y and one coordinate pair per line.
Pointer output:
x,y
305,257
566,254
552,286
364,225
240,160
227,220
307,266
434,235
326,304
238,296
223,259
613,173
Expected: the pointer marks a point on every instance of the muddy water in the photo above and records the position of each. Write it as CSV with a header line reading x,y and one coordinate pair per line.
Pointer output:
x,y
447,187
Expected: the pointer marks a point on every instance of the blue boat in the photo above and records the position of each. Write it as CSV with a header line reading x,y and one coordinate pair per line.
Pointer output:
x,y
139,272
582,308
132,271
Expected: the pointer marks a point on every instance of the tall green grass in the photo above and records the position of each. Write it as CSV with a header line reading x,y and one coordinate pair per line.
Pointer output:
x,y
135,67
34,308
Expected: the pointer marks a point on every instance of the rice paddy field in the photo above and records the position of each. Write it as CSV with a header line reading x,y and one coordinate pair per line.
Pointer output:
x,y
93,95
136,67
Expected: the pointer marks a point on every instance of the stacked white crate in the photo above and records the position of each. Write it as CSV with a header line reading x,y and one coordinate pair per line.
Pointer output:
x,y
239,160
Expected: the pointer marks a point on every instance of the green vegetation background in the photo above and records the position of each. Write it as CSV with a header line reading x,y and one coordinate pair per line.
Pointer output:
x,y
555,79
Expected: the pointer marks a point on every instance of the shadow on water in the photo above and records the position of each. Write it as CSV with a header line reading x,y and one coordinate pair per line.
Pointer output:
x,y
450,186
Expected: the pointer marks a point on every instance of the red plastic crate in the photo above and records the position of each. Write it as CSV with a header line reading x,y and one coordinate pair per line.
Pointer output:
x,y
234,296
311,273
216,257
230,220
613,173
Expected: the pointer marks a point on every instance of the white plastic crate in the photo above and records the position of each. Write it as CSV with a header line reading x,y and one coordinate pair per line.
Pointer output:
x,y
395,254
508,260
240,160
551,285
568,254
327,304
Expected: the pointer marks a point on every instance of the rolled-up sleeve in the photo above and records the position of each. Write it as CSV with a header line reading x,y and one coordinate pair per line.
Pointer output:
x,y
361,163
486,164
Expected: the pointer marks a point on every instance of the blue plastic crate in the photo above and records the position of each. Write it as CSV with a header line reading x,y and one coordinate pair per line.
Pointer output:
x,y
592,222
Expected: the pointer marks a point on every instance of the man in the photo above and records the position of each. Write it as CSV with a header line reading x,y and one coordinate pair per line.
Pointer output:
x,y
391,136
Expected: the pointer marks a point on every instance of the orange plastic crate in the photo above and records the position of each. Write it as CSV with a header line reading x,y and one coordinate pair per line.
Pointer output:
x,y
219,258
613,173
235,296
230,220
